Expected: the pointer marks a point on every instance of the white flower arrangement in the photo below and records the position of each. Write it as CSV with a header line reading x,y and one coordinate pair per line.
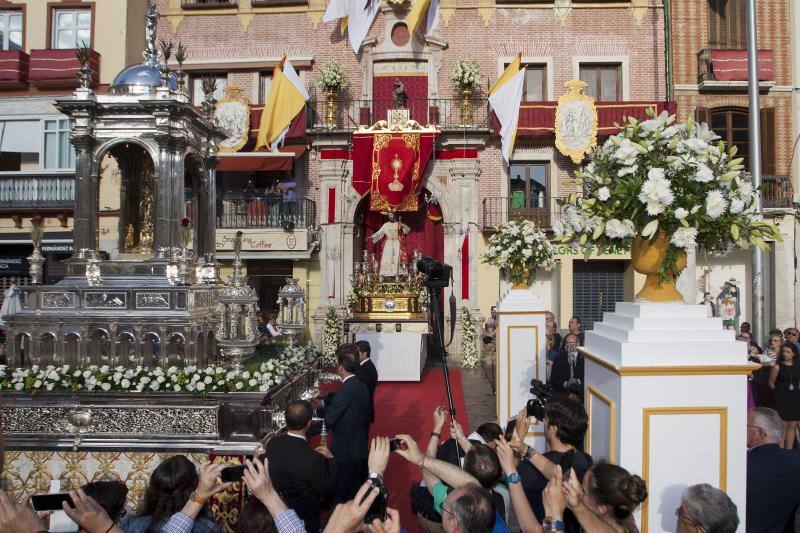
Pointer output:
x,y
469,340
466,74
190,379
331,337
519,248
332,77
660,178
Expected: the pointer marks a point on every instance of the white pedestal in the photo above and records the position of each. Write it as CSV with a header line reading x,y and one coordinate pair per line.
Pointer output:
x,y
521,355
666,393
398,356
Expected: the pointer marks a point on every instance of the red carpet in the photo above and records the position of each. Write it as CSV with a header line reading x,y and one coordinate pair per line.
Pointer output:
x,y
407,408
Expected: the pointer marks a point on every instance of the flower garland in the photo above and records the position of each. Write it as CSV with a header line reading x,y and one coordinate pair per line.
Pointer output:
x,y
191,379
660,178
519,248
332,77
469,340
331,337
466,74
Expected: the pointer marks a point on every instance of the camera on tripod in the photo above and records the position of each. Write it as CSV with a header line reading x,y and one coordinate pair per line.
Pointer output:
x,y
437,275
542,393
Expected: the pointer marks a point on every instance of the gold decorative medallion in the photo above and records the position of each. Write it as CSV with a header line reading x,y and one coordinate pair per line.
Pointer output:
x,y
233,114
576,122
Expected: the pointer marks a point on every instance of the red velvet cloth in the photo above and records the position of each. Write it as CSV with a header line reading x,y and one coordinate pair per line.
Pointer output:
x,y
426,235
376,158
331,205
14,66
416,94
538,119
60,68
254,163
731,65
297,129
465,268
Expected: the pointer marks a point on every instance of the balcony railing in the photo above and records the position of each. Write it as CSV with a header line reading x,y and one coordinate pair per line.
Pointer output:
x,y
14,68
207,4
448,114
26,192
542,211
777,192
267,212
731,65
51,69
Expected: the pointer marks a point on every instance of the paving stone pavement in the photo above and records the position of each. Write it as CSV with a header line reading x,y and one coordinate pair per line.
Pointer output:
x,y
479,395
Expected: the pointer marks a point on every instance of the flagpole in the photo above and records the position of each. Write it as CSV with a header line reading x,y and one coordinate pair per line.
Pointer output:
x,y
754,139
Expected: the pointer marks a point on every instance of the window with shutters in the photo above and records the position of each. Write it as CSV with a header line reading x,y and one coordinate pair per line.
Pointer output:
x,y
596,288
727,24
731,124
604,81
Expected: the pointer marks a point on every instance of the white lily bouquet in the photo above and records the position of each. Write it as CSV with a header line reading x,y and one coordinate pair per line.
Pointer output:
x,y
332,77
667,182
519,248
466,74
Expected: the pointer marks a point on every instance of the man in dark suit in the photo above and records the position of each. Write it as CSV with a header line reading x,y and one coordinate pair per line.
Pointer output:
x,y
301,476
773,475
368,374
348,418
567,374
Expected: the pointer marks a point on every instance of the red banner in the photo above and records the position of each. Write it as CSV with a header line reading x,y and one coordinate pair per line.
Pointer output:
x,y
391,167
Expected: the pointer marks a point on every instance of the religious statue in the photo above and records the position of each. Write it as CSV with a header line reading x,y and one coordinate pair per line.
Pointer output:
x,y
129,238
146,218
390,257
399,94
728,301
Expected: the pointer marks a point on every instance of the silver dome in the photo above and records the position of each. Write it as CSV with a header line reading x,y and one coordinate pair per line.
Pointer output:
x,y
140,79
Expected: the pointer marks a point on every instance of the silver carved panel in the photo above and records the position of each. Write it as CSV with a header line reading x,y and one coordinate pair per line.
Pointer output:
x,y
201,299
113,420
105,300
152,300
58,300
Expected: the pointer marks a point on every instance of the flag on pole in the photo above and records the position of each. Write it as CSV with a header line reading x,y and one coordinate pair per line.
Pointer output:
x,y
418,10
285,100
505,97
357,16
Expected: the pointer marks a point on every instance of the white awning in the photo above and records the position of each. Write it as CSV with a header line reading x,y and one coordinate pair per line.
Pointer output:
x,y
23,136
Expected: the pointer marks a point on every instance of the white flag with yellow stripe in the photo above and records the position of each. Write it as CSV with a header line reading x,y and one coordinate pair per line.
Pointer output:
x,y
420,9
505,96
285,100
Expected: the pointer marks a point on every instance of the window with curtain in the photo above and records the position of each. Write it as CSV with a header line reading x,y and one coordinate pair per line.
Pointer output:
x,y
527,185
72,28
727,24
196,86
11,30
58,153
604,81
535,86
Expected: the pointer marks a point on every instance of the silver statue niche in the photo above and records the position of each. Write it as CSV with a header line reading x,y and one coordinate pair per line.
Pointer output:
x,y
132,308
292,319
236,310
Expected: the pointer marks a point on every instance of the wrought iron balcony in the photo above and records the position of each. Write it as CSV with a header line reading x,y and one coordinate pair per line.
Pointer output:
x,y
447,113
37,192
207,4
776,192
542,211
731,66
267,212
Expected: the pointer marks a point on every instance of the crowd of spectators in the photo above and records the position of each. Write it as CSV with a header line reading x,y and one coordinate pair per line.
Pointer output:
x,y
488,481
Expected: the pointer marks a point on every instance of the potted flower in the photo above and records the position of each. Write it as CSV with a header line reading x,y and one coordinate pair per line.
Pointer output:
x,y
520,249
332,80
663,188
466,77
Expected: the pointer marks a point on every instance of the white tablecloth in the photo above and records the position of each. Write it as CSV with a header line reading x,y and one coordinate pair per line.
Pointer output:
x,y
397,356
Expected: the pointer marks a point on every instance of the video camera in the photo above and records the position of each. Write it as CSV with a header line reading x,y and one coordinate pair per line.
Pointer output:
x,y
542,393
437,274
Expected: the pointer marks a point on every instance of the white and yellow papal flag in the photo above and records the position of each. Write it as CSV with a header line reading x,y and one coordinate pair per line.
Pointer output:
x,y
285,100
357,16
418,10
505,97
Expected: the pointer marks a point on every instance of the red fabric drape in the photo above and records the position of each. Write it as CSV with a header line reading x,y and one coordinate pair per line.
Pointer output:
x,y
297,129
331,205
539,118
731,65
465,268
416,97
426,235
53,67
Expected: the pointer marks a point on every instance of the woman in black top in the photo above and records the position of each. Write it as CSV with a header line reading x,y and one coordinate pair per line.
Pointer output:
x,y
784,380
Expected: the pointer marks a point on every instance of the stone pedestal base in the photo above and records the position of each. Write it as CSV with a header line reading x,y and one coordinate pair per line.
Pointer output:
x,y
666,394
521,355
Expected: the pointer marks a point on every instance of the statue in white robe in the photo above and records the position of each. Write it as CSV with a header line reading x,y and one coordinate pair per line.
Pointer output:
x,y
390,257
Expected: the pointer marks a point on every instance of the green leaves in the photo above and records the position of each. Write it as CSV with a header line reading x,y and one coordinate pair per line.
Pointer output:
x,y
735,232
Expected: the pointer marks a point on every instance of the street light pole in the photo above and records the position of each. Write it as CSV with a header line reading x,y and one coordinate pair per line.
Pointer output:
x,y
754,139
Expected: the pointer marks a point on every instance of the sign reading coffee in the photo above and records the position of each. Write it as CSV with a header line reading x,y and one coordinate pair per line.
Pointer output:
x,y
264,240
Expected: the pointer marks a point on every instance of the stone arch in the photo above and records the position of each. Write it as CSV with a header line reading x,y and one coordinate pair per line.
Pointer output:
x,y
125,348
99,347
151,348
176,347
73,343
106,146
47,347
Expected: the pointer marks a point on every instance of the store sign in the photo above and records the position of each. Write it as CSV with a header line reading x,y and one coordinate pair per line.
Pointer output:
x,y
575,249
13,266
255,240
57,247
